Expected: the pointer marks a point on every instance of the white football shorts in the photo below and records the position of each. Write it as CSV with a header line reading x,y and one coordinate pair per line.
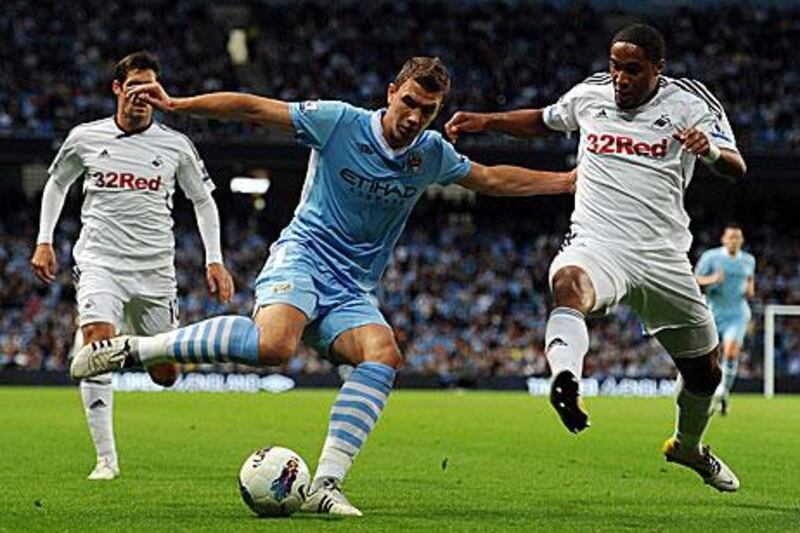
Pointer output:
x,y
659,286
140,302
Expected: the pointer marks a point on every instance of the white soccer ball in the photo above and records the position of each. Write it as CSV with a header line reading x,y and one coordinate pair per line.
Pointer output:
x,y
274,481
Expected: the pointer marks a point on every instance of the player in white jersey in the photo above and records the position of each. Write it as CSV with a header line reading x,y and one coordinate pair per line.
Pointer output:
x,y
641,134
124,258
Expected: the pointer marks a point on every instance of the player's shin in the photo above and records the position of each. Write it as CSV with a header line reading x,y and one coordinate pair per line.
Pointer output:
x,y
694,412
98,404
220,339
729,370
355,412
566,341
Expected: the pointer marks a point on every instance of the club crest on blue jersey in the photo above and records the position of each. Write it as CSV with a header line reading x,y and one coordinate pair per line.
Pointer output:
x,y
413,162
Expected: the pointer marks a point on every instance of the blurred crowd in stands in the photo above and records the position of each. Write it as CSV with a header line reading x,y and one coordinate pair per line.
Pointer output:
x,y
55,57
466,294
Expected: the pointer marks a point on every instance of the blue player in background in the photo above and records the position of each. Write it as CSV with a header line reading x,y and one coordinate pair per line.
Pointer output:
x,y
366,172
726,274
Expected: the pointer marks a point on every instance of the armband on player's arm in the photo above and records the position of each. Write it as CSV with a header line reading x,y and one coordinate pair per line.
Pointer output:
x,y
725,163
714,153
52,203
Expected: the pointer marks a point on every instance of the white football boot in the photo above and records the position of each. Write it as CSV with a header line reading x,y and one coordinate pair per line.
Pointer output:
x,y
103,356
326,496
104,470
707,465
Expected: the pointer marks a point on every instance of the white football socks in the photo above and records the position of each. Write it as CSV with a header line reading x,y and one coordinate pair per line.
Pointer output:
x,y
566,340
98,404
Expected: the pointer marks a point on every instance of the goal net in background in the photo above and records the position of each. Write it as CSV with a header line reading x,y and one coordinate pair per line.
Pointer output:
x,y
781,344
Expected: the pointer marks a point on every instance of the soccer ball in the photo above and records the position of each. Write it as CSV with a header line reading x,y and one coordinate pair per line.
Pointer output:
x,y
274,481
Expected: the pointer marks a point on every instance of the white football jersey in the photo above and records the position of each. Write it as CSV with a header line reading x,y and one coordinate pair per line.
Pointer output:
x,y
631,173
129,182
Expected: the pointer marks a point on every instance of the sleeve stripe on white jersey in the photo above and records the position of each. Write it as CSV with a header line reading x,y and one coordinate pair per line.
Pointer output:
x,y
712,102
703,89
601,78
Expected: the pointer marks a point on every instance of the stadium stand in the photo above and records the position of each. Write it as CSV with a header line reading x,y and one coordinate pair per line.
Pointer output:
x,y
55,57
466,295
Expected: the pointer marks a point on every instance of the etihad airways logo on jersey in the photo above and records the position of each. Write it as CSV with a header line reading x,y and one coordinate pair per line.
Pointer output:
x,y
125,180
622,144
389,192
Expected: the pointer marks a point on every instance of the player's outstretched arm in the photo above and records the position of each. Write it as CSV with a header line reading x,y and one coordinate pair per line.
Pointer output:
x,y
507,180
519,123
722,161
223,105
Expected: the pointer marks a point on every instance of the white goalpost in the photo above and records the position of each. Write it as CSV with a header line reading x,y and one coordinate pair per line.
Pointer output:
x,y
770,312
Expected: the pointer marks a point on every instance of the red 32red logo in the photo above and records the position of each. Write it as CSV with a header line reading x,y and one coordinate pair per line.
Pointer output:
x,y
125,180
621,144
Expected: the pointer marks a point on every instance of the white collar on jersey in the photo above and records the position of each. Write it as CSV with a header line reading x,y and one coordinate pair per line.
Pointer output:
x,y
737,255
377,130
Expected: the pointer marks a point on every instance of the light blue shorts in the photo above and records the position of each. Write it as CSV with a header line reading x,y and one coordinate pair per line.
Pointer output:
x,y
732,327
297,276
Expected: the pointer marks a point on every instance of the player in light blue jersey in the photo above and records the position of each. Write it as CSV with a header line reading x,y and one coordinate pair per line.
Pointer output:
x,y
367,171
727,276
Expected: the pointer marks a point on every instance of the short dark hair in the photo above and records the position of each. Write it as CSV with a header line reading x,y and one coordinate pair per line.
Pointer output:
x,y
429,72
646,37
732,225
141,60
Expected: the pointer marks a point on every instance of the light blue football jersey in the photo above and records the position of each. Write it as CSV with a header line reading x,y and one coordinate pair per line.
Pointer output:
x,y
358,191
728,297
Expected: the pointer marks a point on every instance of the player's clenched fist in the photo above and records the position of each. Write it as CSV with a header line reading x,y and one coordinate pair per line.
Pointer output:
x,y
693,141
465,122
43,262
152,93
573,179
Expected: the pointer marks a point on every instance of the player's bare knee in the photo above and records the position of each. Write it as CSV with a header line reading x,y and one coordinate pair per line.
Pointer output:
x,y
389,355
277,349
573,288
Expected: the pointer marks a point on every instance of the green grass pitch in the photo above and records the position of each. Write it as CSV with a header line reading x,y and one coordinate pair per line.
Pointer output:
x,y
437,461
